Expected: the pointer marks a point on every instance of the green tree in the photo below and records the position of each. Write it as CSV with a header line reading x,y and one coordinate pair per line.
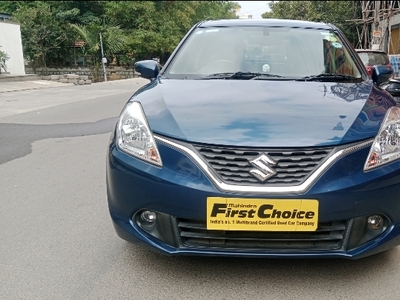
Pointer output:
x,y
3,60
113,37
156,27
213,10
335,12
10,7
79,12
45,27
147,28
41,32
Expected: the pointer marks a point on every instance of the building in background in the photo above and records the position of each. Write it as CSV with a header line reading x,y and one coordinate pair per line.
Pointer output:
x,y
11,43
244,16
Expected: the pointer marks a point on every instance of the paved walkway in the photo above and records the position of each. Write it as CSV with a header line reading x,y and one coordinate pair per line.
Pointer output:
x,y
12,86
21,97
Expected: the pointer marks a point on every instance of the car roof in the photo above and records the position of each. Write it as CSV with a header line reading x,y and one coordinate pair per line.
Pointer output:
x,y
265,22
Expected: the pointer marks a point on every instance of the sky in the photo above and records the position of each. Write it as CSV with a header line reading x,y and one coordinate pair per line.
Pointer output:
x,y
255,8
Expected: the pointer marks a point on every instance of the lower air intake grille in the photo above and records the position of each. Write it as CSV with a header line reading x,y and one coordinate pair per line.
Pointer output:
x,y
328,236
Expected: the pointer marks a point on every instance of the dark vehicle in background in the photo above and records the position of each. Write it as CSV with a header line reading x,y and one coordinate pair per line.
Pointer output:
x,y
393,87
372,58
380,58
258,138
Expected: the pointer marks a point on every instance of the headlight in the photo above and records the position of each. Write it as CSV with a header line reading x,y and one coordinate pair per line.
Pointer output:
x,y
386,146
134,135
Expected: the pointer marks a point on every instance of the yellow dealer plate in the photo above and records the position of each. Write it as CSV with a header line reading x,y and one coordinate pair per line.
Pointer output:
x,y
262,214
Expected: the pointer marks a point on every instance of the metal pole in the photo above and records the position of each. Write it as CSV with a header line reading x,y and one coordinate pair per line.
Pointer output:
x,y
103,58
376,39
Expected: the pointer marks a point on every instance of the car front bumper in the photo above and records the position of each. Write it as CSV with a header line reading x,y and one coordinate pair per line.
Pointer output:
x,y
177,193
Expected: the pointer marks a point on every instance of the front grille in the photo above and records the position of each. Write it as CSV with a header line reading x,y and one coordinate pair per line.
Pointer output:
x,y
328,236
293,165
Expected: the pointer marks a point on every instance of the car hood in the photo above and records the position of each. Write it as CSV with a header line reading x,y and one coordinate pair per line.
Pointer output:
x,y
263,113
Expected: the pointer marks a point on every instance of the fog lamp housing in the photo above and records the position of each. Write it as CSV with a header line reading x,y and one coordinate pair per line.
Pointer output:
x,y
158,225
366,228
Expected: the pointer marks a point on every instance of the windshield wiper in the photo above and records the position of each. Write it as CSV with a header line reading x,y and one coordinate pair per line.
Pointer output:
x,y
240,75
263,76
327,77
233,75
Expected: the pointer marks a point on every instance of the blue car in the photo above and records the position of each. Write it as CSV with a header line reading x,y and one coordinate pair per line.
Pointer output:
x,y
258,138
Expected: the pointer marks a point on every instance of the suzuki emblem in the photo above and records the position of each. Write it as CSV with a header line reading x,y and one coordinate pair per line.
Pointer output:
x,y
263,169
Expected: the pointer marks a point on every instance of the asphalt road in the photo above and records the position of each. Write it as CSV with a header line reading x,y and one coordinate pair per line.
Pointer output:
x,y
56,236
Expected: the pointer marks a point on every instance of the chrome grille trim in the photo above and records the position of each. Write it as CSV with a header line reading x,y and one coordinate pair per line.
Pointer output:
x,y
280,167
328,236
188,150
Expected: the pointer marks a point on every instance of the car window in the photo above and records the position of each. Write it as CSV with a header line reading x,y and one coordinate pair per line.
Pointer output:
x,y
288,52
374,58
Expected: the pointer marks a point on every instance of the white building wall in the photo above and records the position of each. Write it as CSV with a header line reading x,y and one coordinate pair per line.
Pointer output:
x,y
244,16
11,43
394,22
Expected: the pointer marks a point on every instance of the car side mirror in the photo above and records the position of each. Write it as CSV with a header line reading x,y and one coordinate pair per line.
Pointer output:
x,y
381,74
147,68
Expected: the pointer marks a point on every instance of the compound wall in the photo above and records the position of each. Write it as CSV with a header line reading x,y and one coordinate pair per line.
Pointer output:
x,y
11,43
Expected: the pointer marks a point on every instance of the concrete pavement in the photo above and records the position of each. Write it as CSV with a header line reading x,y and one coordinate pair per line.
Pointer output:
x,y
28,96
12,86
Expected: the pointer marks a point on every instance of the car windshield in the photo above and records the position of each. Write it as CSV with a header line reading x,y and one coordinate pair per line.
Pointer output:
x,y
271,53
374,58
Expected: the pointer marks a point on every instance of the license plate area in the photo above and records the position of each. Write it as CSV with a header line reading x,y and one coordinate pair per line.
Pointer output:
x,y
262,214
